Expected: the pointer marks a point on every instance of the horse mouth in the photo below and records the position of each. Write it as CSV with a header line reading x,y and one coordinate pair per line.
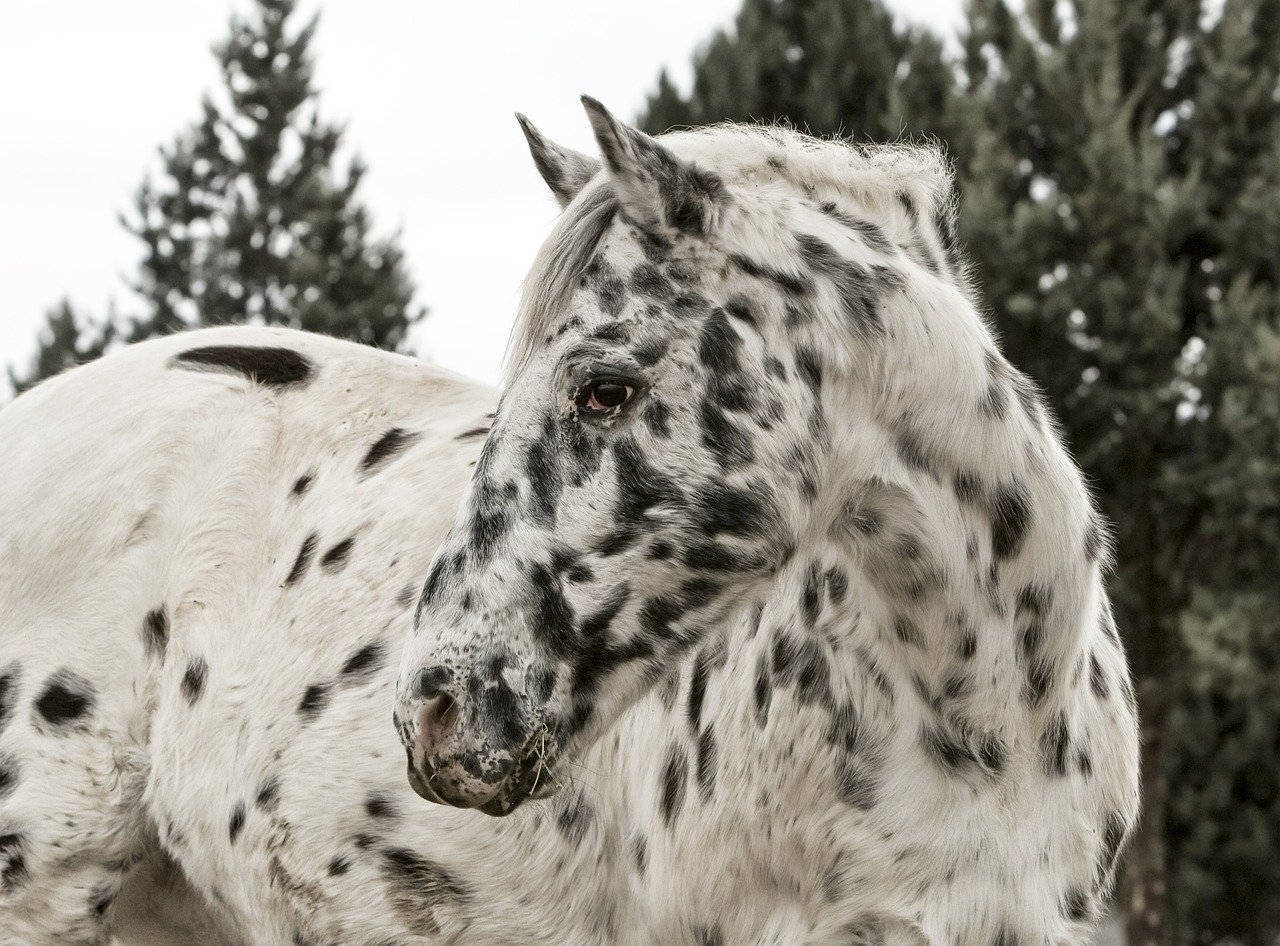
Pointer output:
x,y
531,776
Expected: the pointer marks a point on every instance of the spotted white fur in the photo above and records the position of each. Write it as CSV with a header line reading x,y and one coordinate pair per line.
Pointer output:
x,y
863,685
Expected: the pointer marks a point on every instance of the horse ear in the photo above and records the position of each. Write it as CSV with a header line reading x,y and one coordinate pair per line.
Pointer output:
x,y
655,187
565,171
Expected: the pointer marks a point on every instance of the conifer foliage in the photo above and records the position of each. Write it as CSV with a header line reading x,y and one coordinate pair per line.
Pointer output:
x,y
67,339
829,66
254,217
253,220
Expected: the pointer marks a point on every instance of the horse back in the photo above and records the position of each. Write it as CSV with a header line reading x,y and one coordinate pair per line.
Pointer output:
x,y
192,529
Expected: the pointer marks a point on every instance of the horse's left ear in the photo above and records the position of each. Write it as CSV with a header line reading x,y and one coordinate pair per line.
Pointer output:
x,y
565,170
656,188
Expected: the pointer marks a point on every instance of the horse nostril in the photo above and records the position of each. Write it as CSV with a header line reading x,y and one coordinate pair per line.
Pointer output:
x,y
436,719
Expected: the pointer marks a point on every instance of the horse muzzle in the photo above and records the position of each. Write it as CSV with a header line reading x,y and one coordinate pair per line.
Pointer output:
x,y
485,749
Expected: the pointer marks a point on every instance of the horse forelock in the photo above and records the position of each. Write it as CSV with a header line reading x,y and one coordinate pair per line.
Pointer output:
x,y
562,258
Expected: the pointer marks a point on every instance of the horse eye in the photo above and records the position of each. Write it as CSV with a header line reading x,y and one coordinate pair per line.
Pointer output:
x,y
601,397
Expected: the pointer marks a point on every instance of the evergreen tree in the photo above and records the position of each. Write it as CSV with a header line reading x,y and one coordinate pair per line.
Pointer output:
x,y
1119,162
253,222
828,66
253,219
67,339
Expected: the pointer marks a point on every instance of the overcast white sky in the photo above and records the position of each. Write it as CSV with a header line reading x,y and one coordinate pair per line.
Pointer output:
x,y
88,90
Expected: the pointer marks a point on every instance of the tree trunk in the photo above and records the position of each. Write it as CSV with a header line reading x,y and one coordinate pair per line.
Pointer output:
x,y
1144,886
1152,644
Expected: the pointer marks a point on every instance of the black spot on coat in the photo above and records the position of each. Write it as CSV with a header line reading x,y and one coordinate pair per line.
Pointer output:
x,y
968,487
1113,834
1055,745
856,286
333,560
385,449
950,753
236,823
794,284
855,785
728,441
912,451
66,698
364,661
721,509
697,689
543,471
675,773
269,366
13,861
193,680
303,561
574,819
809,365
1097,677
314,699
763,696
705,763
1010,519
418,887
9,773
552,617
155,632
380,806
8,692
640,853
268,793
648,280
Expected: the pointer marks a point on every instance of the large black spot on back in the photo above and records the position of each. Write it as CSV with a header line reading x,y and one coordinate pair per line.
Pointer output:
x,y
66,698
269,366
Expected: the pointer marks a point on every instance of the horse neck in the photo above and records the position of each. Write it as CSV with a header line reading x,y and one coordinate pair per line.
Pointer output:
x,y
965,527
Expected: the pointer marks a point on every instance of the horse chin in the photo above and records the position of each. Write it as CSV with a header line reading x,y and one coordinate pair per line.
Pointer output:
x,y
532,779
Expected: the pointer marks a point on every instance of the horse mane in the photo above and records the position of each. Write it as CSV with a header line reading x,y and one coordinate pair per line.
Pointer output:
x,y
877,177
556,268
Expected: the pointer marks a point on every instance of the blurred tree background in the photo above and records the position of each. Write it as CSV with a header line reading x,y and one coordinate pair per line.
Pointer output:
x,y
254,217
1119,169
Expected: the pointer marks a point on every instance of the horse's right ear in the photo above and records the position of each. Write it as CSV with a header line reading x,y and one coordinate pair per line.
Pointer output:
x,y
565,171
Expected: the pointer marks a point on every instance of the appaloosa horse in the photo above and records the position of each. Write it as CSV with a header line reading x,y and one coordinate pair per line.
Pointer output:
x,y
773,612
